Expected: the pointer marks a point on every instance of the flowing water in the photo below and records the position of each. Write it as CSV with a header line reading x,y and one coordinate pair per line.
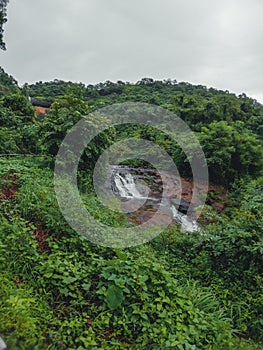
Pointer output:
x,y
186,223
126,185
129,183
2,344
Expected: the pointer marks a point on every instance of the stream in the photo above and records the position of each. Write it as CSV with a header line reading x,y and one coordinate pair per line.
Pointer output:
x,y
142,192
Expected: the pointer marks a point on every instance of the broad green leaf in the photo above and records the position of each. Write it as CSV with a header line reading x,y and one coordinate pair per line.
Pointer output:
x,y
114,297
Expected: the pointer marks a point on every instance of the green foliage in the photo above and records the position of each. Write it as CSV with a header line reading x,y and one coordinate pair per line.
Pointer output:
x,y
8,141
228,126
153,309
23,141
66,112
53,89
18,130
194,103
19,105
184,291
7,83
114,297
102,298
228,258
22,315
231,151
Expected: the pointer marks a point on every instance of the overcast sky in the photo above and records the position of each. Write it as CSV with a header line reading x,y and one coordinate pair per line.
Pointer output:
x,y
210,42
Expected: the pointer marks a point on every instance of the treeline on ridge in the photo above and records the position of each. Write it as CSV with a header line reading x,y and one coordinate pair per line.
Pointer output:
x,y
229,127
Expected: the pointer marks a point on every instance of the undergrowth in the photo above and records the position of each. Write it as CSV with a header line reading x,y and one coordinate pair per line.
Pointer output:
x,y
59,291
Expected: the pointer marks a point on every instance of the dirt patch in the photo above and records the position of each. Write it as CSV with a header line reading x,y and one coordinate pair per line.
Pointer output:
x,y
217,197
40,111
41,237
9,188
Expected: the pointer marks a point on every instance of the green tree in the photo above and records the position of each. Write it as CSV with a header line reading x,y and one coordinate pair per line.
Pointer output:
x,y
7,83
19,105
65,113
231,151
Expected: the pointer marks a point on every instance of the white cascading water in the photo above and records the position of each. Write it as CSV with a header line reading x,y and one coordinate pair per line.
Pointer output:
x,y
127,189
182,219
126,186
2,344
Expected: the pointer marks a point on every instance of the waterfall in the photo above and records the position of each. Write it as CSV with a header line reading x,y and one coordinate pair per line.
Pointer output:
x,y
125,187
183,220
2,345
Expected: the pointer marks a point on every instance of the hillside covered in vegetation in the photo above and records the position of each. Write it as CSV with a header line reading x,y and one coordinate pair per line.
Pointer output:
x,y
200,290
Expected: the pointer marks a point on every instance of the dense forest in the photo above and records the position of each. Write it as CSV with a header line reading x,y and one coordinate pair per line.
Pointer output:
x,y
192,291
